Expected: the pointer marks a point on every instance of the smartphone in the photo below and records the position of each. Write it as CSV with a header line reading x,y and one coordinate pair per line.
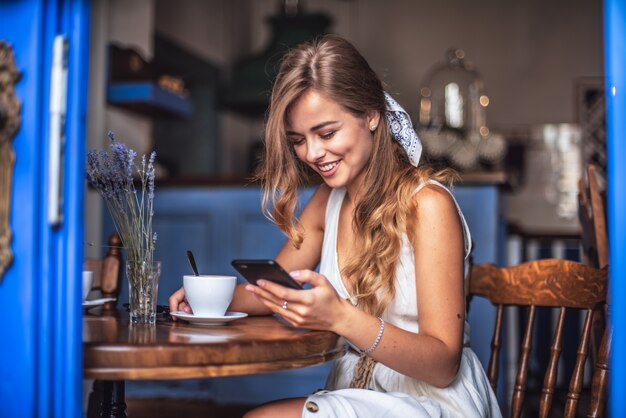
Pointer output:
x,y
253,270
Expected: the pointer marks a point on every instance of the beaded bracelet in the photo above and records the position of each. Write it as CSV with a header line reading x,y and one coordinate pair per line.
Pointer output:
x,y
378,337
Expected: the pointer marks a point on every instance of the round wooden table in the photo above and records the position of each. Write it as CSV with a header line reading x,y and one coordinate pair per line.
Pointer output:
x,y
115,350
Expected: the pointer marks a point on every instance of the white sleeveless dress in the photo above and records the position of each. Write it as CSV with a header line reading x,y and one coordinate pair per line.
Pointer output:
x,y
392,394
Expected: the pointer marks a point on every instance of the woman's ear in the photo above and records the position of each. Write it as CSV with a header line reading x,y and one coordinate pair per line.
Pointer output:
x,y
373,118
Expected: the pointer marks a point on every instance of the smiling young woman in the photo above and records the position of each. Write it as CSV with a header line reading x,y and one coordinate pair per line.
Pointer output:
x,y
387,235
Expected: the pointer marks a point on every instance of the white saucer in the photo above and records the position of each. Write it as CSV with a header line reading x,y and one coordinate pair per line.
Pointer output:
x,y
208,320
96,302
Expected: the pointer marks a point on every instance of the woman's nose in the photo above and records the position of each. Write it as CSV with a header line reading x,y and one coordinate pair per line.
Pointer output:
x,y
315,150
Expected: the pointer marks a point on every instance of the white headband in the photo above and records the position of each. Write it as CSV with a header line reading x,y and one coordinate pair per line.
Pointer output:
x,y
402,130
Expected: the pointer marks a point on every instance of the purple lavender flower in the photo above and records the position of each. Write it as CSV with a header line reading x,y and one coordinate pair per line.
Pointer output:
x,y
150,174
111,174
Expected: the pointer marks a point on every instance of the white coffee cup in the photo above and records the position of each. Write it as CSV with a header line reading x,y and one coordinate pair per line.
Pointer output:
x,y
209,295
87,282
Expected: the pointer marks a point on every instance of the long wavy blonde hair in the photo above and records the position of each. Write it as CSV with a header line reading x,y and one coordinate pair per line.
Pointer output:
x,y
333,67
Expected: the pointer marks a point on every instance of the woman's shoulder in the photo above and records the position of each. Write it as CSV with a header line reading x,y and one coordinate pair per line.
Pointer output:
x,y
431,197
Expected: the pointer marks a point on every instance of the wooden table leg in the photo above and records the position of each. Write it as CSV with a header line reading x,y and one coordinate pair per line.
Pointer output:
x,y
113,401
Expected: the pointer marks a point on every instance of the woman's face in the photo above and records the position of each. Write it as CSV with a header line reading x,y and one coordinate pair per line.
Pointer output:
x,y
332,141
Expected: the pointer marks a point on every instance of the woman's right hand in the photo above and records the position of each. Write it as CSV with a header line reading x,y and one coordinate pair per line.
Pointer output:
x,y
178,302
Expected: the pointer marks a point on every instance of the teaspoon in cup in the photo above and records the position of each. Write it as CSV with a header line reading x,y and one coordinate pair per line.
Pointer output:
x,y
192,261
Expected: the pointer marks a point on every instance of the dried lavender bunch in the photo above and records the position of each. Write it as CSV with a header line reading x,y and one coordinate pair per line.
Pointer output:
x,y
111,174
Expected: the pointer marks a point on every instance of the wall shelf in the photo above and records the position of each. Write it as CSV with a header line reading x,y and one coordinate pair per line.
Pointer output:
x,y
149,99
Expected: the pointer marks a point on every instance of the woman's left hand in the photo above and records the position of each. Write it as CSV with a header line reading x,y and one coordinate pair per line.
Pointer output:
x,y
319,307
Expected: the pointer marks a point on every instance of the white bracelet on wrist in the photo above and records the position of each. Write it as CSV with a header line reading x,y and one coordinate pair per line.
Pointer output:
x,y
378,337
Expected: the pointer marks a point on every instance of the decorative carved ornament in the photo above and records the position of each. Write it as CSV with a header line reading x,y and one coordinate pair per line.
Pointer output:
x,y
10,108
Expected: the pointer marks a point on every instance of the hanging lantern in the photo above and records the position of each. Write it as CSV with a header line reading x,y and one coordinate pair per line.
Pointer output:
x,y
452,121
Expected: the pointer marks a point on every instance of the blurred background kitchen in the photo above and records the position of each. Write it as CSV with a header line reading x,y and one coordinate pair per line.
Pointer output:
x,y
509,93
540,64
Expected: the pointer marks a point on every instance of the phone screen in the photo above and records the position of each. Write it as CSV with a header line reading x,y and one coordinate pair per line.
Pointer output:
x,y
253,270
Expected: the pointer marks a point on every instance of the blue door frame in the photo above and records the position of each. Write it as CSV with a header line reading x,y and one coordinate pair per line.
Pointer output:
x,y
615,65
41,364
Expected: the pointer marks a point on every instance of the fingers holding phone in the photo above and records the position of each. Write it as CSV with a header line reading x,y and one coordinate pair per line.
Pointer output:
x,y
315,308
275,296
322,307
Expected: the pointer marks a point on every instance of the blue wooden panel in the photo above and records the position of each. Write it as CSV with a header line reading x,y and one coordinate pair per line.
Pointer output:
x,y
42,367
615,64
20,25
174,265
68,336
260,238
481,208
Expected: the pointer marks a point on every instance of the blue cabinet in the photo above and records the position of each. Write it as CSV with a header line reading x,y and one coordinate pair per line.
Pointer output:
x,y
220,224
486,219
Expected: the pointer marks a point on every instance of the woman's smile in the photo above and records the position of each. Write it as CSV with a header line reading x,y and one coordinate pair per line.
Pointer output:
x,y
336,143
328,169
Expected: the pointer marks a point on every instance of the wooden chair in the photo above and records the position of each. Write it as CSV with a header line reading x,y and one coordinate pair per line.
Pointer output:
x,y
107,271
592,217
594,237
559,284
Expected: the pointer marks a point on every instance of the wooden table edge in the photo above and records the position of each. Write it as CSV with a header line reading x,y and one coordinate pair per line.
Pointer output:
x,y
164,373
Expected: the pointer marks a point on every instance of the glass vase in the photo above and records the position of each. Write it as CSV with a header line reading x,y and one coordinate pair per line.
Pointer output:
x,y
143,284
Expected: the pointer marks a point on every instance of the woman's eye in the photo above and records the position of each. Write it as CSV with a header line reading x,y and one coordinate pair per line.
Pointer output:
x,y
327,135
296,140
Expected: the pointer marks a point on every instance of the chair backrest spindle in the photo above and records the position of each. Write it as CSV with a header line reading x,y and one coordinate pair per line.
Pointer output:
x,y
575,387
494,358
522,369
549,383
600,380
